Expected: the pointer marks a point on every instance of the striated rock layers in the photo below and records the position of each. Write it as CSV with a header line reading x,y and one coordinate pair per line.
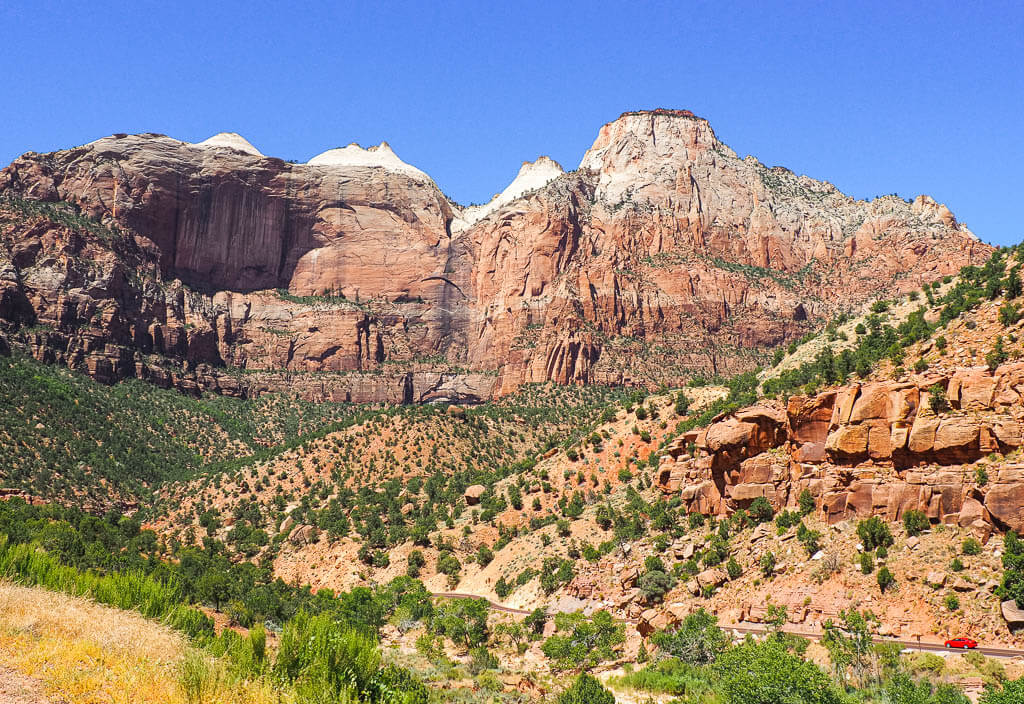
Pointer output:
x,y
211,266
872,449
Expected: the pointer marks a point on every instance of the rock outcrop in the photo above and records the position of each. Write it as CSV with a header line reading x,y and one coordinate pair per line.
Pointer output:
x,y
211,266
867,449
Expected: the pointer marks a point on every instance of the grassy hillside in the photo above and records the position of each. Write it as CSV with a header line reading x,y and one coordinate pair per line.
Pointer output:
x,y
65,436
383,478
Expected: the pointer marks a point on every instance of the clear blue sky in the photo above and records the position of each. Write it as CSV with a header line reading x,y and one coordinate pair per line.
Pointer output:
x,y
876,97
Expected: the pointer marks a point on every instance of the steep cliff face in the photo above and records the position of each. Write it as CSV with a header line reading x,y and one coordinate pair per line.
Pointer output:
x,y
662,255
666,253
863,450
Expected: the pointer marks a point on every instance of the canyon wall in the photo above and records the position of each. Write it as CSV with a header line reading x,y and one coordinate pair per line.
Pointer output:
x,y
211,266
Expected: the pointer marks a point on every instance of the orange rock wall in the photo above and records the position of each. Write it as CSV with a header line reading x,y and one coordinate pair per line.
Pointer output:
x,y
866,449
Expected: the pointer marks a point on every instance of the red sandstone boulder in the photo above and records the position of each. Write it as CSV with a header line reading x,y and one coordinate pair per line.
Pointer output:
x,y
972,389
473,494
809,417
886,401
957,440
848,442
922,435
810,452
1005,502
729,434
970,511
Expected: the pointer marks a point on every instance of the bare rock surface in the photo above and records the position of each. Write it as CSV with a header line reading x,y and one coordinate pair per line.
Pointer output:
x,y
884,453
213,267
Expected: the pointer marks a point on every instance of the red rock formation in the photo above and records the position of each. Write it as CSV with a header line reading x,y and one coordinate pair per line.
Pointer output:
x,y
663,254
881,452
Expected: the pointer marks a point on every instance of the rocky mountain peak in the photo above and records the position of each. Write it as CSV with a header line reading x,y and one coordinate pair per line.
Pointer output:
x,y
380,156
230,140
532,175
645,146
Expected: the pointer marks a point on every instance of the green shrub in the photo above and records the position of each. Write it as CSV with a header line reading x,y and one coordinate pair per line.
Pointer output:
x,y
874,533
766,673
654,584
696,641
733,568
915,522
586,689
980,476
885,579
760,511
806,502
971,546
463,621
1009,314
481,659
583,643
1010,692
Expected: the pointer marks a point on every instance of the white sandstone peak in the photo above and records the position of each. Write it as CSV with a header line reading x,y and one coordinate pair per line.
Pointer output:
x,y
231,140
532,175
381,156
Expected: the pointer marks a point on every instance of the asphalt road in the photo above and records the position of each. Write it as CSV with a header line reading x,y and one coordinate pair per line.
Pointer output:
x,y
912,644
760,628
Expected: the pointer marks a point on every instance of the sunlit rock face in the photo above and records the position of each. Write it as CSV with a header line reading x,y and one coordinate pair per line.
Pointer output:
x,y
663,255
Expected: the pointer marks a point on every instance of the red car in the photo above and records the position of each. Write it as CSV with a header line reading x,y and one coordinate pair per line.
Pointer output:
x,y
961,643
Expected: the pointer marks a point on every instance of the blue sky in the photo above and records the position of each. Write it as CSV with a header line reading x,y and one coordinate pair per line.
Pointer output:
x,y
876,97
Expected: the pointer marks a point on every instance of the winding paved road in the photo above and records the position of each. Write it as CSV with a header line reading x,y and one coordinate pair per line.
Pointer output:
x,y
760,628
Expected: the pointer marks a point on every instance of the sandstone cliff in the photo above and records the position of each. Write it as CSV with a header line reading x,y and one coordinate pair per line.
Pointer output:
x,y
353,277
866,449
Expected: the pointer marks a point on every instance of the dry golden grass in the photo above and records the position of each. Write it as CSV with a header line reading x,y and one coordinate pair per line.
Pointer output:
x,y
85,653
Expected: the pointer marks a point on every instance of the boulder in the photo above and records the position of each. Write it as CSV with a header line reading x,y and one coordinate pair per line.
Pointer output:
x,y
286,525
713,577
970,511
645,622
1013,614
810,452
301,535
848,442
982,530
1008,432
729,434
473,494
809,417
1009,382
1005,502
843,407
745,493
757,470
922,435
956,440
629,578
972,389
886,401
